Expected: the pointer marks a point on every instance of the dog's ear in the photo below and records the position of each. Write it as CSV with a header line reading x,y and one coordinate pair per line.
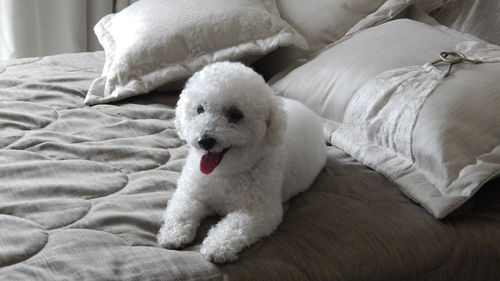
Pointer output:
x,y
276,123
180,116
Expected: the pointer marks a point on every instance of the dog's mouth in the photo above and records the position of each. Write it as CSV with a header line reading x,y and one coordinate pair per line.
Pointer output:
x,y
210,160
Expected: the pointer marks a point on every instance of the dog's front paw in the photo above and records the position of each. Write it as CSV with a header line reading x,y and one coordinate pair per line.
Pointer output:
x,y
218,254
171,236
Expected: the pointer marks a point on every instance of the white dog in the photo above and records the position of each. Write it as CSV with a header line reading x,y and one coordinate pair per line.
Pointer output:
x,y
249,152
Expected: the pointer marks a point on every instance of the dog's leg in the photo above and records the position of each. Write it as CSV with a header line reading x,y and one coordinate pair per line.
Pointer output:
x,y
238,230
180,221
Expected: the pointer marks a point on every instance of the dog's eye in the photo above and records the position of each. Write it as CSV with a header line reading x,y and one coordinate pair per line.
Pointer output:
x,y
234,115
200,109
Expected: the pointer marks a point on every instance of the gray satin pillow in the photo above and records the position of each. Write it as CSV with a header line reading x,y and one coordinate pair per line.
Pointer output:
x,y
438,146
429,6
480,18
323,22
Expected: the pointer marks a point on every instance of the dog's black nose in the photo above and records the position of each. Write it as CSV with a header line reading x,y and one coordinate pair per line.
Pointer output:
x,y
206,142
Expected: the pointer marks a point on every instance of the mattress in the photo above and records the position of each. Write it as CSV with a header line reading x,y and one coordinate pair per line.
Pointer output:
x,y
83,189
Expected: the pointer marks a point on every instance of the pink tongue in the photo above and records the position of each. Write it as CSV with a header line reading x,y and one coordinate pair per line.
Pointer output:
x,y
209,161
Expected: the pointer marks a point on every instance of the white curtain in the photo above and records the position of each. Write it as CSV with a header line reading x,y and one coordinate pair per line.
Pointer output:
x,y
30,28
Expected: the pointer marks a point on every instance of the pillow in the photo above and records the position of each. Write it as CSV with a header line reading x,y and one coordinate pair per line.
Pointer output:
x,y
477,17
323,22
436,137
155,42
429,6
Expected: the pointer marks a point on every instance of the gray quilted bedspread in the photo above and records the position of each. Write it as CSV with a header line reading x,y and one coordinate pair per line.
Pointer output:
x,y
82,191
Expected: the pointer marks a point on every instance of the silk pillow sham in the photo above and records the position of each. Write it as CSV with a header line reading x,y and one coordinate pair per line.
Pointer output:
x,y
437,139
153,43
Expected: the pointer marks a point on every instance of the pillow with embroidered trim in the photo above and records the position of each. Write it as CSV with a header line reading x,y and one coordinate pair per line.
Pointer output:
x,y
434,134
155,43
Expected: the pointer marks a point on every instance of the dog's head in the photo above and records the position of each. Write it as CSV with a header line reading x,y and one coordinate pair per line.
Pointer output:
x,y
228,111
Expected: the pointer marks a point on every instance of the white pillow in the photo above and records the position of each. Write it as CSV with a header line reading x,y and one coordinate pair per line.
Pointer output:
x,y
438,146
323,22
327,83
155,42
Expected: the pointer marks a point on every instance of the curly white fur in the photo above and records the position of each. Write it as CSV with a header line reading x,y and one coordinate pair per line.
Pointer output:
x,y
274,151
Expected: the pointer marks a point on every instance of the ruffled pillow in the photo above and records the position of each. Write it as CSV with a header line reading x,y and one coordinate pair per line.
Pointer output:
x,y
155,43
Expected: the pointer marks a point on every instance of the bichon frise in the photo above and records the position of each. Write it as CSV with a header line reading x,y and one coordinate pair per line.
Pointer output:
x,y
249,152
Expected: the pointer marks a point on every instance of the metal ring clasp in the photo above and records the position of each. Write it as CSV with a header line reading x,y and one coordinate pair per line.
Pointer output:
x,y
457,57
453,57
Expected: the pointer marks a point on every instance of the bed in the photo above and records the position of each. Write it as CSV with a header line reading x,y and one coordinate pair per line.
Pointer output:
x,y
83,189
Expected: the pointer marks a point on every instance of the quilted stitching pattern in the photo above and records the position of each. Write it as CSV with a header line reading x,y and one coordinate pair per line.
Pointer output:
x,y
76,178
